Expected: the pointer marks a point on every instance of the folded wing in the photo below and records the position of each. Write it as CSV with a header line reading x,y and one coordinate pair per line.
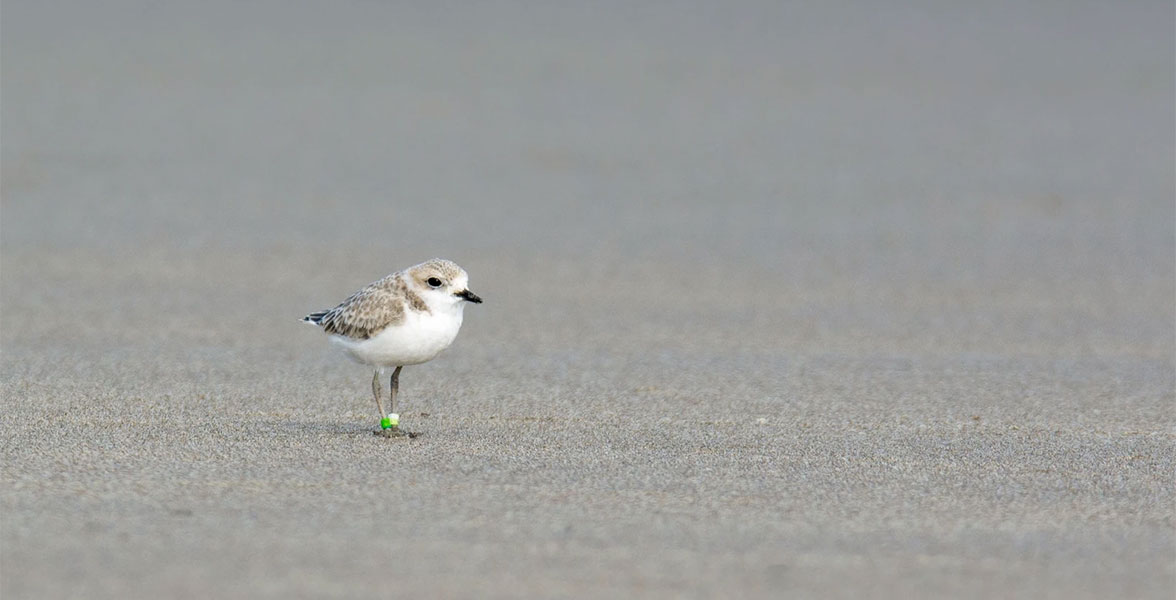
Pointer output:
x,y
365,313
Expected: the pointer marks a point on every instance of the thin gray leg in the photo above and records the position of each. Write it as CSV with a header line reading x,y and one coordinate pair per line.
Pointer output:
x,y
395,386
378,393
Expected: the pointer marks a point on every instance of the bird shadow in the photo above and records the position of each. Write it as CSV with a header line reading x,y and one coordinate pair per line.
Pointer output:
x,y
301,428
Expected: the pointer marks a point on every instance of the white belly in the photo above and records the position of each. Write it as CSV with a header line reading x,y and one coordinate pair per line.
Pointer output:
x,y
420,338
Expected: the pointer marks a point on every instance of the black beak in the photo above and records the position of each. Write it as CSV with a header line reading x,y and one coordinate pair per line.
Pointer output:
x,y
469,296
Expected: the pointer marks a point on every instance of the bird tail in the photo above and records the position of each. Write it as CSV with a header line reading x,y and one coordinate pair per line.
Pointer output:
x,y
315,318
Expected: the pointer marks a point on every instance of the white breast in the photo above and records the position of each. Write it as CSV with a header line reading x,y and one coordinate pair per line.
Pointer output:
x,y
420,338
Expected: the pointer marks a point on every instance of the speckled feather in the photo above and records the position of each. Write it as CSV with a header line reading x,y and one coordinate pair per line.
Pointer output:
x,y
365,312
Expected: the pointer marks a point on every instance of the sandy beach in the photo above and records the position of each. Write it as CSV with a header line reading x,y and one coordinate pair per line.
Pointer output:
x,y
780,301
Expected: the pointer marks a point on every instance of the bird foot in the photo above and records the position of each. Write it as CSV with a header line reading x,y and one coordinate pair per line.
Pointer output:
x,y
395,432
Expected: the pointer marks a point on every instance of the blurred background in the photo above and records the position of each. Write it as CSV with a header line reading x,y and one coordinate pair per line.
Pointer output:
x,y
842,177
913,214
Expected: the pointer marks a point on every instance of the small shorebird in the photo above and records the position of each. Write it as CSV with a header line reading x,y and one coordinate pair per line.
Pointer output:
x,y
406,318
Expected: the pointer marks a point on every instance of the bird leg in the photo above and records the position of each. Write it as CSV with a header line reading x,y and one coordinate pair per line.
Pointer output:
x,y
395,383
378,393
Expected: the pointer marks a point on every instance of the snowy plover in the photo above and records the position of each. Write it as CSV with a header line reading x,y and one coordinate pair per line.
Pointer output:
x,y
406,318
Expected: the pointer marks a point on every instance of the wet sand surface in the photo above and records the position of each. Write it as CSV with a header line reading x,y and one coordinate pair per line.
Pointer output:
x,y
781,301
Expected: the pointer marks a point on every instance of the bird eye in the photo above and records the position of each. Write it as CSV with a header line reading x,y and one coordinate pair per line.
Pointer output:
x,y
434,282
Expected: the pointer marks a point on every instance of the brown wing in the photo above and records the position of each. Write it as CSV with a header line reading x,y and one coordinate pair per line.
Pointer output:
x,y
365,313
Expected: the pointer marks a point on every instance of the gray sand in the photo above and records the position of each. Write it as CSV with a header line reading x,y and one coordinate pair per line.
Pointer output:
x,y
780,301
